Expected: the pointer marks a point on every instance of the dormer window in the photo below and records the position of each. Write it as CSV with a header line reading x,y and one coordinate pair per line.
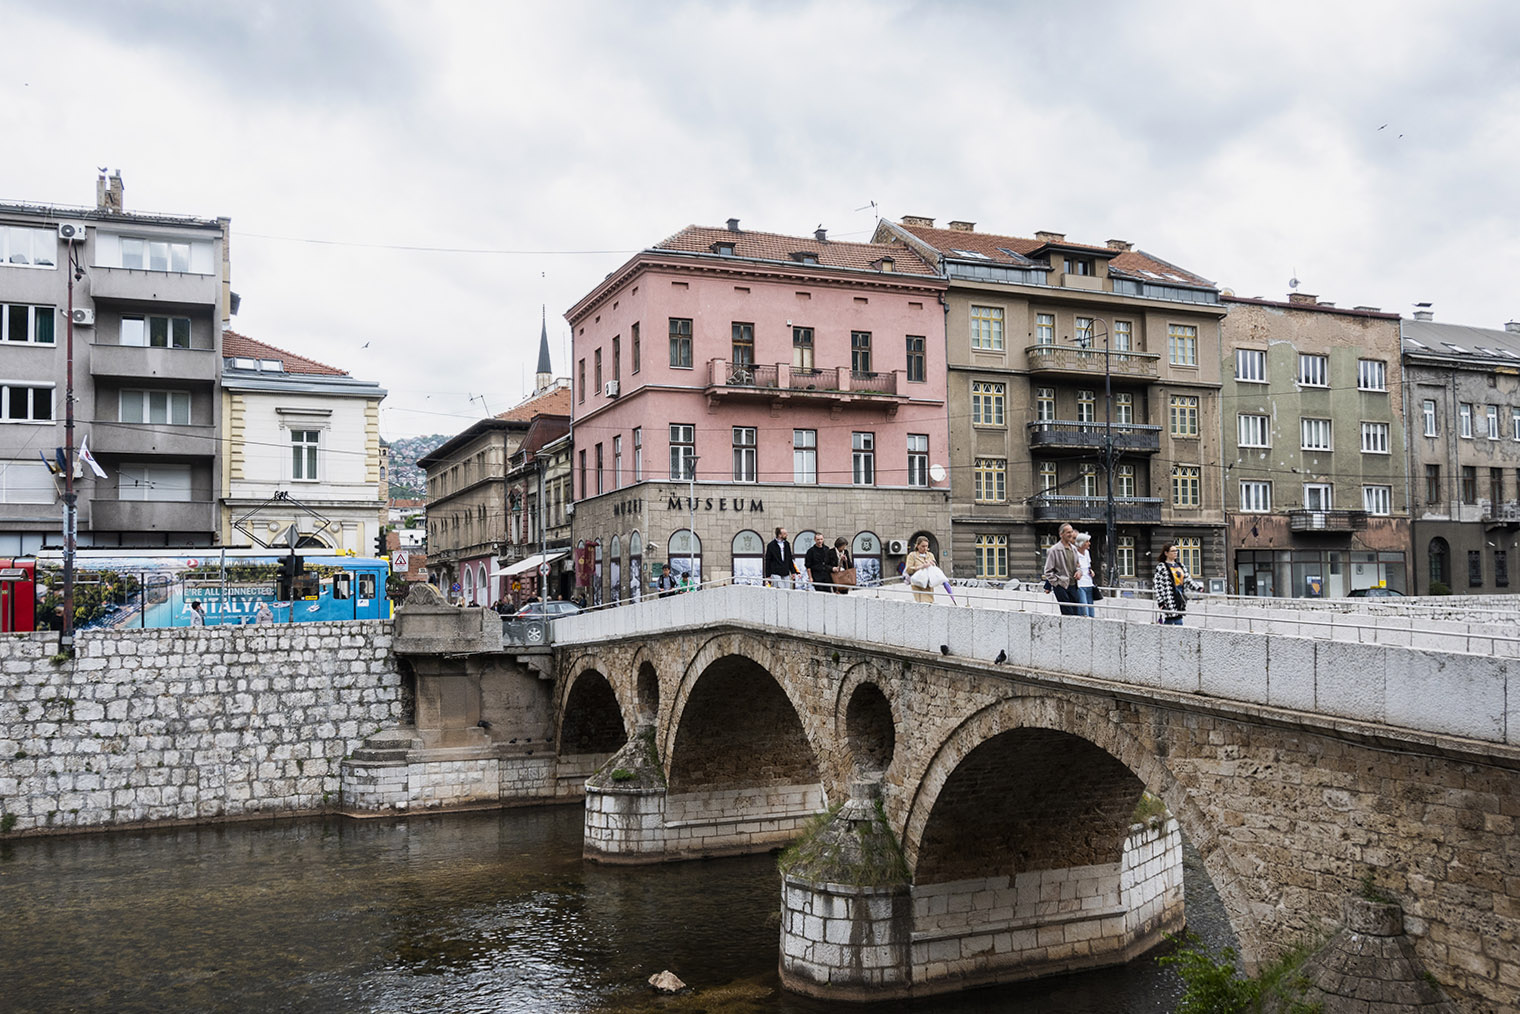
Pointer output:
x,y
805,257
271,366
1079,266
723,249
887,264
245,364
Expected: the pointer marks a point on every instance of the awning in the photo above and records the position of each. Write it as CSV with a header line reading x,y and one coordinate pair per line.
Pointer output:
x,y
531,563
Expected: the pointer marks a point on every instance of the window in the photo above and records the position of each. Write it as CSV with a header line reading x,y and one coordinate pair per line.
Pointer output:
x,y
1319,496
1184,415
580,380
633,336
1124,480
1491,413
1251,366
154,255
1045,329
744,454
991,480
1124,409
1255,497
21,247
1371,375
1086,407
1374,438
161,407
1186,481
1313,370
26,404
1469,484
303,454
1430,417
1089,477
617,358
805,457
860,351
1255,430
1316,434
1514,423
1501,568
23,481
1048,481
139,481
638,454
22,323
1084,332
680,343
1432,483
992,557
1045,404
1190,554
1124,557
600,472
916,358
156,332
617,462
1464,420
1377,500
743,352
864,458
986,403
585,492
1495,486
802,348
987,328
683,450
597,369
1474,568
1123,335
918,459
1079,265
1182,344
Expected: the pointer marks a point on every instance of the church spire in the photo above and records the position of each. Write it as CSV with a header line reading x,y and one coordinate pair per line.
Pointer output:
x,y
545,375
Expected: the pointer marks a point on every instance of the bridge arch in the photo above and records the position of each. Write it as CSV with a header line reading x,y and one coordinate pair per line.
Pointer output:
x,y
590,717
1104,770
866,714
645,686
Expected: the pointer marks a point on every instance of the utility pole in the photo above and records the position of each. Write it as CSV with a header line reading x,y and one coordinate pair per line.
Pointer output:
x,y
70,495
1110,550
691,530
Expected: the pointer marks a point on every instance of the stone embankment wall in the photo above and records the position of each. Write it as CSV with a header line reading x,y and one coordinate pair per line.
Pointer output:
x,y
187,724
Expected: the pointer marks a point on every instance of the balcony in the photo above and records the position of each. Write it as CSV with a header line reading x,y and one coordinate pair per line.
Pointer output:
x,y
781,383
127,362
136,439
152,516
1066,435
1128,510
1066,361
1331,522
136,285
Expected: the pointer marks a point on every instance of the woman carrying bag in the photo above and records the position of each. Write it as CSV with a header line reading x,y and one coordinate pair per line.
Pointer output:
x,y
922,560
842,566
1172,583
1087,583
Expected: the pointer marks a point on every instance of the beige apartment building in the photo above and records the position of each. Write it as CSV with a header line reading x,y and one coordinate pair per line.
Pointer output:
x,y
1076,372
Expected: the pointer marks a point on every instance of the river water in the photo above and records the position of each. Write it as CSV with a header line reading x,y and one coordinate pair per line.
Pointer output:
x,y
451,913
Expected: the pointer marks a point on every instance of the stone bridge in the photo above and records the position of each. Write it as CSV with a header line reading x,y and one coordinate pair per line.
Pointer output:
x,y
986,820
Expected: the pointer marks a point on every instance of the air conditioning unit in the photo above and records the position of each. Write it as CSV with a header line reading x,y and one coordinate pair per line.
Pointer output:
x,y
72,232
897,547
82,316
610,389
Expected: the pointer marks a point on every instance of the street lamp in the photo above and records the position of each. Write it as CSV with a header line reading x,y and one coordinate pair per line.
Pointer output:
x,y
691,529
1110,551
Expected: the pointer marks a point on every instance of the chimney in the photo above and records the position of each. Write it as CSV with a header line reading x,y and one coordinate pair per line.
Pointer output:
x,y
100,191
733,225
1513,326
963,226
821,234
1422,311
114,192
1302,299
1369,309
1050,237
1121,245
918,220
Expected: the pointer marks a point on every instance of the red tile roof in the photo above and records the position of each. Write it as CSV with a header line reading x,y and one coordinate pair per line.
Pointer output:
x,y
553,402
239,346
1015,251
770,246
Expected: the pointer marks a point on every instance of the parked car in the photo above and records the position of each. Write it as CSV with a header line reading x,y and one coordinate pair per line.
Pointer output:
x,y
546,610
1374,593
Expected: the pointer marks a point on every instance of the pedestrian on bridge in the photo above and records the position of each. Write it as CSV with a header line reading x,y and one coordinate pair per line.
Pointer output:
x,y
921,559
1087,584
816,560
1061,570
842,566
1172,583
780,563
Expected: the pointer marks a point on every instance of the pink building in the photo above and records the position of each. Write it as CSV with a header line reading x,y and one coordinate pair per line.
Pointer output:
x,y
728,382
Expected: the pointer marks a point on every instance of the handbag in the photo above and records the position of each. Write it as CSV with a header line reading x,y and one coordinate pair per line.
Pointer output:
x,y
1097,593
845,575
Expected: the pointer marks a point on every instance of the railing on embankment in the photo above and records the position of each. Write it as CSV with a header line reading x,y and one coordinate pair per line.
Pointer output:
x,y
1474,695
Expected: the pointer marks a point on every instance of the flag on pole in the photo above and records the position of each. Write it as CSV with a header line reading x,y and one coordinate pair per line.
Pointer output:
x,y
52,468
63,465
88,458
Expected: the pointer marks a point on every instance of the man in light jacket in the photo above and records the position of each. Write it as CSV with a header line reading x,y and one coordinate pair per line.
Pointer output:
x,y
1061,571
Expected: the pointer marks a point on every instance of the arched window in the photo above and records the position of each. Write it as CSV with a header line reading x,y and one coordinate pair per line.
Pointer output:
x,y
616,587
748,558
482,586
596,576
933,542
635,567
684,554
867,550
1440,562
469,585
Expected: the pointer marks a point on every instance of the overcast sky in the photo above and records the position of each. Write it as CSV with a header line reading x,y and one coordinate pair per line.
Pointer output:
x,y
1370,149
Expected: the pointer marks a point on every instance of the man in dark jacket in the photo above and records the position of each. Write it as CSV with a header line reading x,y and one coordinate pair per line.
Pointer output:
x,y
819,563
779,564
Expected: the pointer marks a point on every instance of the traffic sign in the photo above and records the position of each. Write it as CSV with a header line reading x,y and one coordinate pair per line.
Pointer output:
x,y
543,570
398,559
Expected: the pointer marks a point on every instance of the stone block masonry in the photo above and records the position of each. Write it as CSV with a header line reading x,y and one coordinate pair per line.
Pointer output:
x,y
187,724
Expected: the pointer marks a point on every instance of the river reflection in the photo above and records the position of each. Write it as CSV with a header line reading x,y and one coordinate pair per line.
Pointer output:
x,y
458,913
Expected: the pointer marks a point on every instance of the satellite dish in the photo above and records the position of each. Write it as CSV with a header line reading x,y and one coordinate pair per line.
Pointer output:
x,y
937,472
1293,283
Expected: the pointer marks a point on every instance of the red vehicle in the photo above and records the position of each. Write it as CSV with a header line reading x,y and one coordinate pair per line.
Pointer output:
x,y
18,594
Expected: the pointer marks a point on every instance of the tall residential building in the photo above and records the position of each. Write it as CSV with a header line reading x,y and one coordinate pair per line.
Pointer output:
x,y
1462,390
298,427
1314,448
538,529
1118,366
731,382
149,298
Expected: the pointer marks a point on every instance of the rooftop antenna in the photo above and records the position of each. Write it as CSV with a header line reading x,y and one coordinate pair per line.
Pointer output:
x,y
872,206
482,399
